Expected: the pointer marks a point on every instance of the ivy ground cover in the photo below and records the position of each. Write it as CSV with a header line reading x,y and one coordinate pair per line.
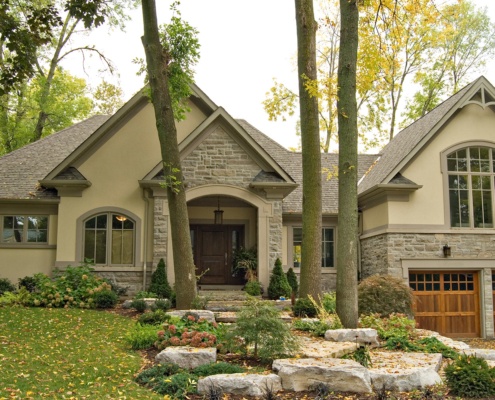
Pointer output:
x,y
67,353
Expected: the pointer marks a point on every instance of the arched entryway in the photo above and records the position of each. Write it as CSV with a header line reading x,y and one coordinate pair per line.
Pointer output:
x,y
244,223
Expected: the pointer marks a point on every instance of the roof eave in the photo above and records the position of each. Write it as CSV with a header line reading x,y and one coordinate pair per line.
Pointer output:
x,y
386,192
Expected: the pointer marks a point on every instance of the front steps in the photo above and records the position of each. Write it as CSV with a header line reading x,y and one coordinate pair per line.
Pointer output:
x,y
231,300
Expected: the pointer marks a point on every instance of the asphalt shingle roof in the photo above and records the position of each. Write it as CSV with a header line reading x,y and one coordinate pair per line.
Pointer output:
x,y
21,170
406,140
291,162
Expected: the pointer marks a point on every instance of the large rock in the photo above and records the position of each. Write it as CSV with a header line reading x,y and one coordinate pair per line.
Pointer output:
x,y
241,384
187,357
362,336
404,372
339,375
312,347
487,354
206,314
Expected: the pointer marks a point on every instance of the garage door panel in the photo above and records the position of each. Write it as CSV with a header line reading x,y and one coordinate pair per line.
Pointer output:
x,y
447,302
427,303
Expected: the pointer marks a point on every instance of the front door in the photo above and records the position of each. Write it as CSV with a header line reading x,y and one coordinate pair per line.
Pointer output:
x,y
213,248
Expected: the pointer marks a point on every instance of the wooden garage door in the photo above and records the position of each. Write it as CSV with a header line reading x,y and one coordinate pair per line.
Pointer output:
x,y
447,302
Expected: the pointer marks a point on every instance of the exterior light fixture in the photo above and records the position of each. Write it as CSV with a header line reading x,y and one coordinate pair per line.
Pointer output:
x,y
218,214
120,218
447,251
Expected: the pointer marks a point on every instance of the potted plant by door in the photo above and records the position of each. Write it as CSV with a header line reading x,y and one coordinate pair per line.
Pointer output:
x,y
245,263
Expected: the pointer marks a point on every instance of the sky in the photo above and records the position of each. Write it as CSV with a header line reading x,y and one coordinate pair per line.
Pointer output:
x,y
244,46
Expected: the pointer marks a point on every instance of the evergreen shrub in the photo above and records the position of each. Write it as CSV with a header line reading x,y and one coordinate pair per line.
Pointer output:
x,y
470,377
384,295
292,279
253,288
105,299
6,286
278,286
304,307
159,282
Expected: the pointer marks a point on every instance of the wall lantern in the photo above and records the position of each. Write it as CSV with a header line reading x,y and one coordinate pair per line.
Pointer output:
x,y
218,214
447,251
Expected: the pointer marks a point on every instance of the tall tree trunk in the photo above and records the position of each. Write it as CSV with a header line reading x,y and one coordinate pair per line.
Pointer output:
x,y
347,243
157,61
311,155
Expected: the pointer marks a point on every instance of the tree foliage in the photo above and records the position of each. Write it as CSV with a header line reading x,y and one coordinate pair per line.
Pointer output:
x,y
35,39
403,45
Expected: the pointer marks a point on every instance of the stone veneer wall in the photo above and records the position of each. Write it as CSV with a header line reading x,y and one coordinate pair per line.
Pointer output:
x,y
218,160
382,254
160,231
133,281
275,234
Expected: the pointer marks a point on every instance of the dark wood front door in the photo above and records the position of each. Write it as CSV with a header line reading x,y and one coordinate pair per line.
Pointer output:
x,y
213,248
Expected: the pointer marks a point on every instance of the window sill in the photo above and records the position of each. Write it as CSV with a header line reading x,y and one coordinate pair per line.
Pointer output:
x,y
27,246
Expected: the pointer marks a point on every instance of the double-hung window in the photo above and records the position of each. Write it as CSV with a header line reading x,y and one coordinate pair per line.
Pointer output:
x,y
471,176
327,247
23,229
109,239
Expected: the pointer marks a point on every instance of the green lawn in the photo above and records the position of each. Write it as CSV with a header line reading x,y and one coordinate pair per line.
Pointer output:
x,y
67,353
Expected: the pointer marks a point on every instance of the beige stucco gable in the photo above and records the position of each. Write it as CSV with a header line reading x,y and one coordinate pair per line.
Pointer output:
x,y
427,207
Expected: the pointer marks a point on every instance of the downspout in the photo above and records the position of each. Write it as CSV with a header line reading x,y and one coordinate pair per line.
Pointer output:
x,y
145,244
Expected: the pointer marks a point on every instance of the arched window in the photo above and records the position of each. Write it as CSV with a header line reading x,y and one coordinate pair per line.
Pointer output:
x,y
109,239
471,176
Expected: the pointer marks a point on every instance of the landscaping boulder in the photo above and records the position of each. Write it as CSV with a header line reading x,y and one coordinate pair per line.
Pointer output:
x,y
206,314
339,375
241,384
486,354
187,357
362,336
405,372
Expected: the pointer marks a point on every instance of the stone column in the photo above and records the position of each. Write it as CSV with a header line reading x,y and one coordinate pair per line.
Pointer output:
x,y
275,233
487,302
160,229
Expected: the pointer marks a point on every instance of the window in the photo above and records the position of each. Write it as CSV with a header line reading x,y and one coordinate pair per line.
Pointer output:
x,y
24,229
109,239
327,247
471,175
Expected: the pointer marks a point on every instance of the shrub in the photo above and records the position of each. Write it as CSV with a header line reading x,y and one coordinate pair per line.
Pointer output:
x,y
156,317
163,304
168,380
159,282
105,299
20,297
190,330
139,305
384,295
6,286
396,325
142,336
360,355
278,286
73,287
29,282
329,302
142,294
253,288
317,327
217,368
261,329
292,279
469,376
304,308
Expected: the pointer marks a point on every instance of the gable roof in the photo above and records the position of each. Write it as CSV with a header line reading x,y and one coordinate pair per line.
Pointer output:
x,y
21,169
407,143
292,163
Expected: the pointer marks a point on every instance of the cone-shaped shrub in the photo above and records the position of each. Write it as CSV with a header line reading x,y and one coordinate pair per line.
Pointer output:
x,y
278,286
159,282
292,279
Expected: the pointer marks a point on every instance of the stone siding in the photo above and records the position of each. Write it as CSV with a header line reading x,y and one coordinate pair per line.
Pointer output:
x,y
382,254
275,234
160,231
133,281
219,160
